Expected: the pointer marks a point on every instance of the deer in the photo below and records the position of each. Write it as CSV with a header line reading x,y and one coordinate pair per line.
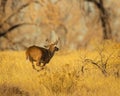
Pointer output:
x,y
41,54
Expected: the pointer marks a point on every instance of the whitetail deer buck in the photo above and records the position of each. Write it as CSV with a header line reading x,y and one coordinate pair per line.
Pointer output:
x,y
40,54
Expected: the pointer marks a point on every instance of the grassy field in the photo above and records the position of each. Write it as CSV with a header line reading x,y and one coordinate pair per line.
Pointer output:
x,y
69,73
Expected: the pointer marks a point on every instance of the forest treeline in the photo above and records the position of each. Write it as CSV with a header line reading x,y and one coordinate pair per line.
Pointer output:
x,y
75,22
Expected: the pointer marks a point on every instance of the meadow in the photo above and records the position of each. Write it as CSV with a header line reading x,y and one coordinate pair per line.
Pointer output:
x,y
84,72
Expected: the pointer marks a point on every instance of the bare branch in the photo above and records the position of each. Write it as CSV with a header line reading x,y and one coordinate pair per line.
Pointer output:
x,y
107,32
14,27
92,62
103,70
106,62
17,11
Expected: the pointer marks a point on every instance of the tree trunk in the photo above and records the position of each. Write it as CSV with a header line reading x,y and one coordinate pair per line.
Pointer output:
x,y
104,18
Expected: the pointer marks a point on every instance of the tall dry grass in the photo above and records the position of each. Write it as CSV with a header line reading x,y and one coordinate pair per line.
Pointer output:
x,y
63,76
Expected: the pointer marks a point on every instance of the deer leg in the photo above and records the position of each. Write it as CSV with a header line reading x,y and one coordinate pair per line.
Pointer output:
x,y
42,67
31,60
38,63
33,65
43,64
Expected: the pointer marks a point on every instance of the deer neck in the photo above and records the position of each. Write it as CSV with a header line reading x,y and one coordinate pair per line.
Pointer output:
x,y
51,53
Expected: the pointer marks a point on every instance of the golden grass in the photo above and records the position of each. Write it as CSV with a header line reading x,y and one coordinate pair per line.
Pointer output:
x,y
62,76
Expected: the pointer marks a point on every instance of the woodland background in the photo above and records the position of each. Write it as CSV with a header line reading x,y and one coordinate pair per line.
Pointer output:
x,y
76,23
88,63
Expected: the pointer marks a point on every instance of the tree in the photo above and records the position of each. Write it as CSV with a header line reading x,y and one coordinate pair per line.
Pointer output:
x,y
9,10
104,17
5,17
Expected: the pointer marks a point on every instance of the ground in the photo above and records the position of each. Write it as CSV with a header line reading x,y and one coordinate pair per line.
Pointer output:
x,y
67,74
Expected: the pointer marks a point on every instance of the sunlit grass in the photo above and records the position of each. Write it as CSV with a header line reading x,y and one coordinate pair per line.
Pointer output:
x,y
62,76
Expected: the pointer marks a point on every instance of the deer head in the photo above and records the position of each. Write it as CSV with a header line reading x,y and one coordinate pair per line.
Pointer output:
x,y
52,46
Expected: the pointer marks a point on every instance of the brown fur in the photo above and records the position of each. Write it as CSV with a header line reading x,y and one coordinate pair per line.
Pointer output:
x,y
40,54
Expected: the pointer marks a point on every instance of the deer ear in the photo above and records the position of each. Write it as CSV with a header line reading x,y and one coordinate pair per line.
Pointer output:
x,y
56,42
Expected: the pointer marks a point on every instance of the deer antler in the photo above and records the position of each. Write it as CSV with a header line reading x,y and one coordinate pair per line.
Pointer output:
x,y
56,42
